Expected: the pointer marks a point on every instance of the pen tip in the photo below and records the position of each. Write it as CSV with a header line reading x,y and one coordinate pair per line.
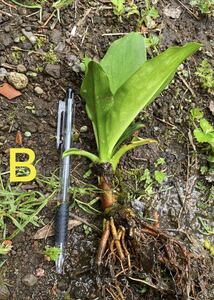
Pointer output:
x,y
59,263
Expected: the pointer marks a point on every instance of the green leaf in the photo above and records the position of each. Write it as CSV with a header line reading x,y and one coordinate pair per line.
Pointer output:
x,y
123,58
62,3
211,158
196,113
206,126
128,132
32,5
146,177
160,176
160,161
119,6
142,88
116,158
99,99
84,64
204,170
75,151
202,137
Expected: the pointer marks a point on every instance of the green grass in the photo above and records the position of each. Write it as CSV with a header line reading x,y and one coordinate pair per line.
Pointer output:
x,y
206,75
50,57
18,208
52,252
204,6
88,195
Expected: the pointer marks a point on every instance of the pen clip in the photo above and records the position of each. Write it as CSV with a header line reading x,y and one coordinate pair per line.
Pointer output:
x,y
60,124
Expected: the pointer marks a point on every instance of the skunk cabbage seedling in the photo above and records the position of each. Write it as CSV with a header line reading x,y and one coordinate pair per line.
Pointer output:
x,y
115,90
118,87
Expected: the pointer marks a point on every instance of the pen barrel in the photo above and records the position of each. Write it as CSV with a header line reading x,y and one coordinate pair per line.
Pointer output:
x,y
61,224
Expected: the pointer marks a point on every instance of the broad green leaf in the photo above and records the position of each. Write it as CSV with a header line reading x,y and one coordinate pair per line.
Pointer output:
x,y
96,92
202,137
142,88
123,58
74,151
116,158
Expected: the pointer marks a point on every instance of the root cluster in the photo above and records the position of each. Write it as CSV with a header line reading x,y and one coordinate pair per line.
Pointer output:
x,y
144,262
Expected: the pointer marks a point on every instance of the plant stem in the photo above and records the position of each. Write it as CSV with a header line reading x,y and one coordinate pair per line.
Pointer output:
x,y
108,198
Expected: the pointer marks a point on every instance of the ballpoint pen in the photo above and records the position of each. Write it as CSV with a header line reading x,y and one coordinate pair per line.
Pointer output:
x,y
64,142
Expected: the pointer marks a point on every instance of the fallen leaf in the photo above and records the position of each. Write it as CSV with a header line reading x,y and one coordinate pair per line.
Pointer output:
x,y
9,92
48,230
19,138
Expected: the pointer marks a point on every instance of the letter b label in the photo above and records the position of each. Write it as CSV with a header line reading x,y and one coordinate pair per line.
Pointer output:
x,y
17,164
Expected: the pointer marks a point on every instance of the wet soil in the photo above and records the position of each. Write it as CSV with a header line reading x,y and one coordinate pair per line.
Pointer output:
x,y
88,29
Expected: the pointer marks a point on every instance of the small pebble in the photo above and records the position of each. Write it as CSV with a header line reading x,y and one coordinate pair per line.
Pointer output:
x,y
30,36
7,28
17,39
21,68
84,129
3,73
38,90
29,280
32,74
53,70
27,134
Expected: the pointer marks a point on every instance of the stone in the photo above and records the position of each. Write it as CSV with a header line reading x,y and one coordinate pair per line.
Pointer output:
x,y
211,107
38,90
17,39
4,292
30,126
30,36
26,45
55,36
5,40
84,129
18,80
53,70
3,73
27,134
31,74
29,280
60,47
172,12
73,62
7,28
21,68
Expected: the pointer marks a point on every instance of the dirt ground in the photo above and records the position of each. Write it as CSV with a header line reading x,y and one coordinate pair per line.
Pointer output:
x,y
88,29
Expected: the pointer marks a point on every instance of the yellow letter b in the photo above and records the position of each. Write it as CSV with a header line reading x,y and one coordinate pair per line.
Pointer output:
x,y
17,164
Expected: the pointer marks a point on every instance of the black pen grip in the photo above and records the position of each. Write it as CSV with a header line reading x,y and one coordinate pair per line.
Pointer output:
x,y
61,224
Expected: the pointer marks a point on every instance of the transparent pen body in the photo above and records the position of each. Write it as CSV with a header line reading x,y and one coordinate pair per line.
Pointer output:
x,y
64,142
